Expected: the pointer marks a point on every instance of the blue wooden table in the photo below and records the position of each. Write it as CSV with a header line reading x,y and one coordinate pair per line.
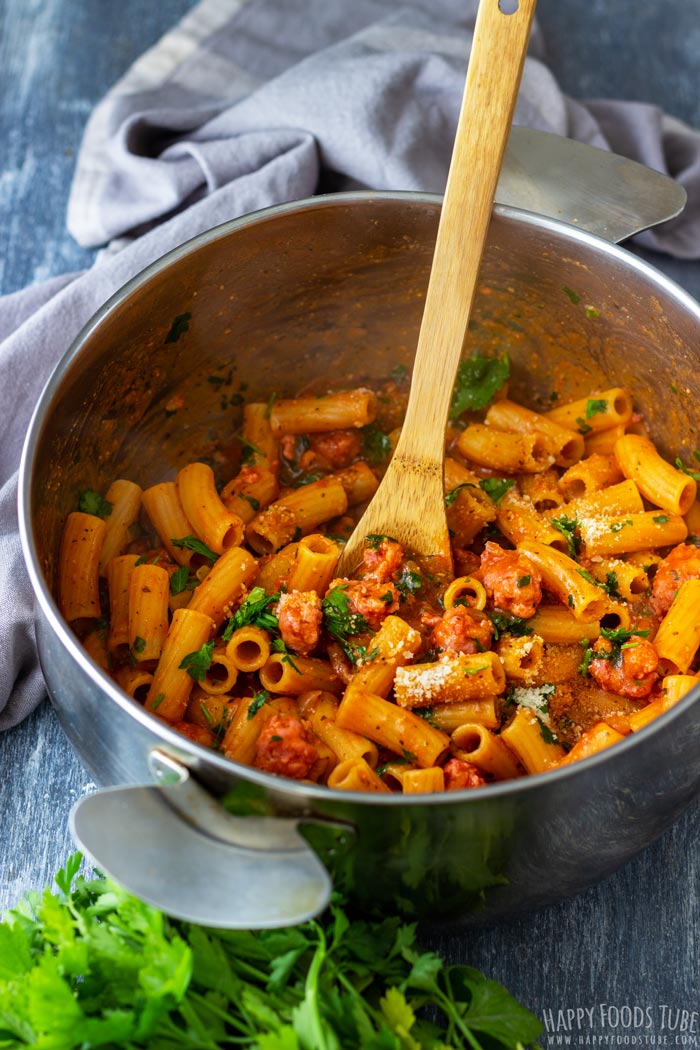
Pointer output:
x,y
619,965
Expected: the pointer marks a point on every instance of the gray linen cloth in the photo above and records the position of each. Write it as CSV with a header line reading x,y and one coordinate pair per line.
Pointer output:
x,y
249,104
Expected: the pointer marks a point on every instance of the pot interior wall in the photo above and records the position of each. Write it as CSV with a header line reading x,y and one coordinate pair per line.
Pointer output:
x,y
330,295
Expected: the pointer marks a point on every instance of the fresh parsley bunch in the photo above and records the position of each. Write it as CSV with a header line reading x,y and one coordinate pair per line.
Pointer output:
x,y
91,966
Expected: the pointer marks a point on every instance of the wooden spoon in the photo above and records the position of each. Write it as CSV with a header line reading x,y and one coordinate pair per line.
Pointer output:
x,y
409,504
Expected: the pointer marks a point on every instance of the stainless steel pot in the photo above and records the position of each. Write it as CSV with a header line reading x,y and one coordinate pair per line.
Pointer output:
x,y
334,286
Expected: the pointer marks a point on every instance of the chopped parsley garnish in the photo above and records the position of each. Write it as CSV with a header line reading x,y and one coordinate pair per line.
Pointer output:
x,y
258,700
694,474
619,637
619,525
158,701
268,407
376,447
216,381
595,406
523,581
182,581
179,326
374,540
479,379
496,488
592,311
254,503
340,622
574,296
504,623
198,663
587,577
254,610
408,755
92,503
568,528
387,598
468,671
546,732
611,586
191,543
278,646
249,452
660,519
452,495
398,374
409,582
139,645
583,427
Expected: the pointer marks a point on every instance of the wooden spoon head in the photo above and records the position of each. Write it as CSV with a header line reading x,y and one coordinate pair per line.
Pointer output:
x,y
408,506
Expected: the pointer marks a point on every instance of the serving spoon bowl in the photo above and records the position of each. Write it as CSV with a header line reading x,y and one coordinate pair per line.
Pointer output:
x,y
409,503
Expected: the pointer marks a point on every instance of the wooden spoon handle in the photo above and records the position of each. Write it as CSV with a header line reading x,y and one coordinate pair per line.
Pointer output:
x,y
495,66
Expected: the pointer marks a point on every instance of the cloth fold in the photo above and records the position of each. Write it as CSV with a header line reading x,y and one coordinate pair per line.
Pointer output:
x,y
250,103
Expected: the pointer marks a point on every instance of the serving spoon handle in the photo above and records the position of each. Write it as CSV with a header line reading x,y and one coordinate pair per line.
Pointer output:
x,y
409,503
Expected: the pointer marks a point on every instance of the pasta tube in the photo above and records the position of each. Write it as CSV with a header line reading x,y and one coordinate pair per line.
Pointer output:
x,y
678,636
125,498
223,584
656,479
162,504
312,415
172,684
79,566
211,521
566,446
452,678
148,593
294,515
601,411
476,744
561,576
392,727
524,738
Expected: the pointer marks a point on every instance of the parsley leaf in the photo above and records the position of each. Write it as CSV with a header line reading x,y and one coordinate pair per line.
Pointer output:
x,y
92,503
568,528
375,539
182,581
694,474
594,406
198,663
340,622
478,380
278,646
180,325
258,700
409,582
496,488
452,495
376,447
191,543
254,610
504,623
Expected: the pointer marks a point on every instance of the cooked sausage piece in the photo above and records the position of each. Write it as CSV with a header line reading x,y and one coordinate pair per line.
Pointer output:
x,y
681,564
461,774
335,449
284,747
299,615
370,599
511,579
631,673
462,630
382,562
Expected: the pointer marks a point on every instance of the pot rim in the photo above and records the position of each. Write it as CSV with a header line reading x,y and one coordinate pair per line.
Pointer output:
x,y
280,785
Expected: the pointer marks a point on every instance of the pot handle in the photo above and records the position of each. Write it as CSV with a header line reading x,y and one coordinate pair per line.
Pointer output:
x,y
174,846
593,189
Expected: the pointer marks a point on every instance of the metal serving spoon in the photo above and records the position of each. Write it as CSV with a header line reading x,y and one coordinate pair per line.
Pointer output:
x,y
409,503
